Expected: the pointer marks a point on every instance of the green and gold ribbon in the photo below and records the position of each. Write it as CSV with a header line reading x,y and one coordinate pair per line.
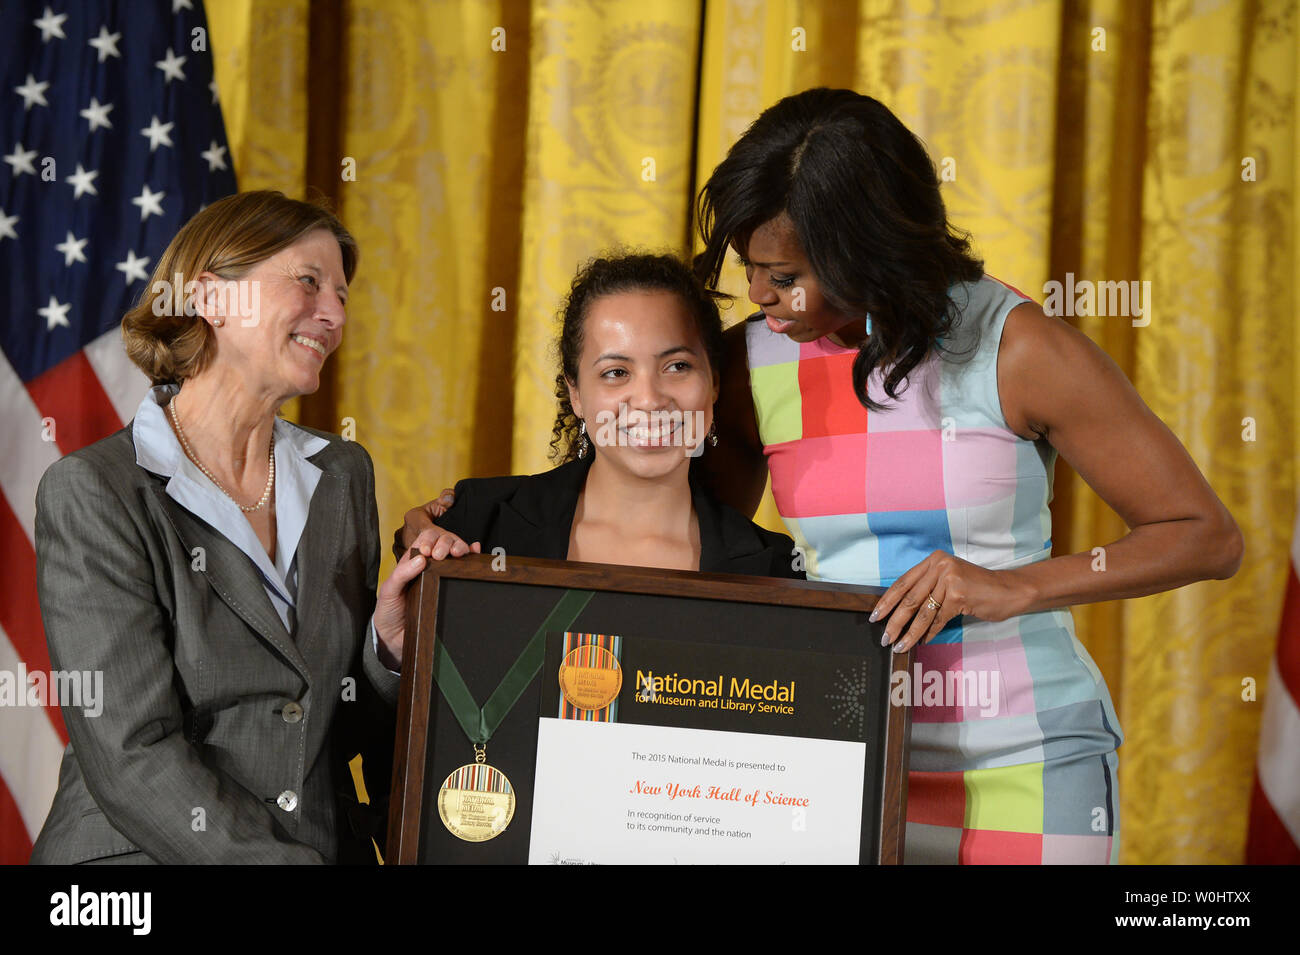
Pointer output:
x,y
479,723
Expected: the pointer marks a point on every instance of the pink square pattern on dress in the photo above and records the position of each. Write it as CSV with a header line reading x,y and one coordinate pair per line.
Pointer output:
x,y
1017,681
905,472
979,466
918,407
939,659
1076,850
810,476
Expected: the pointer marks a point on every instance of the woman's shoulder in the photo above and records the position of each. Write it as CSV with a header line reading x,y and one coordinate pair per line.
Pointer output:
x,y
982,307
95,492
109,461
987,289
505,487
543,500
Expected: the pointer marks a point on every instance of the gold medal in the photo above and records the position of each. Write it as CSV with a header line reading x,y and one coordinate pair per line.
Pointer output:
x,y
590,677
476,802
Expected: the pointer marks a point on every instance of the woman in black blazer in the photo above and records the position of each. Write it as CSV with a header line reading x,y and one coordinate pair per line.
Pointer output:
x,y
639,352
531,516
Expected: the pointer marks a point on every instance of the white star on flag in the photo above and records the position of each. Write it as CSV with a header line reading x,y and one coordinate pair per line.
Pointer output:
x,y
7,226
106,44
215,155
32,92
51,26
133,268
21,160
150,203
171,66
97,113
83,182
71,248
158,133
55,314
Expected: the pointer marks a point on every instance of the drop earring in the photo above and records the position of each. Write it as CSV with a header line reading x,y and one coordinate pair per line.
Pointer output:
x,y
713,434
584,443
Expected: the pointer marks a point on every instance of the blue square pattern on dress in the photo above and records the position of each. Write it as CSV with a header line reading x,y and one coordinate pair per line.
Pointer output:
x,y
904,539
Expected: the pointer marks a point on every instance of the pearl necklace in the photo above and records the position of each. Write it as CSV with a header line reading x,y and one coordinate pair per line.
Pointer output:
x,y
189,452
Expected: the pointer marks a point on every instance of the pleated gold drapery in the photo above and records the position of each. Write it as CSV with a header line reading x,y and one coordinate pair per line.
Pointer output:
x,y
487,148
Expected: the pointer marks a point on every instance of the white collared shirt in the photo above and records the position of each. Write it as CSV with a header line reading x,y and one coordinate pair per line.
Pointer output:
x,y
158,450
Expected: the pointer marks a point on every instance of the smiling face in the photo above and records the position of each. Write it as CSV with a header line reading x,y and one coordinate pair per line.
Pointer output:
x,y
644,386
283,318
782,283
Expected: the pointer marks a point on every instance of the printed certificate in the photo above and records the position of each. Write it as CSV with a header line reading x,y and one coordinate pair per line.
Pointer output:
x,y
705,754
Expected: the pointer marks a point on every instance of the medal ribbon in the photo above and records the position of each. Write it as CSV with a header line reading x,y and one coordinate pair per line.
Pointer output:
x,y
480,723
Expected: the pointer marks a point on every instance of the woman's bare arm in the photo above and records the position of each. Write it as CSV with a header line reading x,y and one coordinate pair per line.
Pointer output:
x,y
1056,384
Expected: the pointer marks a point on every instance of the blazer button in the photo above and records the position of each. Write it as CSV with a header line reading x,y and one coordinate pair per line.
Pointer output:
x,y
287,800
292,712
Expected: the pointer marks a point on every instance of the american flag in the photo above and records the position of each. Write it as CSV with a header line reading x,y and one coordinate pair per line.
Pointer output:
x,y
1273,836
112,139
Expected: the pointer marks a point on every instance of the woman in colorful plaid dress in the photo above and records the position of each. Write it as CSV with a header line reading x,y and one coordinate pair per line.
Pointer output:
x,y
909,409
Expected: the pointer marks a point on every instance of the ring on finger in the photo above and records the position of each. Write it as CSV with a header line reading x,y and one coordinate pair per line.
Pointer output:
x,y
932,603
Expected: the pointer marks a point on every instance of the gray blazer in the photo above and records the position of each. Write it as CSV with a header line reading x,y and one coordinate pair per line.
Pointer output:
x,y
221,737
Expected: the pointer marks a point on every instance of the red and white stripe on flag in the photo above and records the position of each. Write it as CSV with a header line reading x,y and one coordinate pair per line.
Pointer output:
x,y
85,397
1273,837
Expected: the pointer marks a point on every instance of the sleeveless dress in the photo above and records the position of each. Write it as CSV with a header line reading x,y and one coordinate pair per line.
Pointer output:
x,y
1013,730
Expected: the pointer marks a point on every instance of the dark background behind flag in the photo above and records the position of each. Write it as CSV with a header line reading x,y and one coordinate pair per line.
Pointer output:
x,y
112,139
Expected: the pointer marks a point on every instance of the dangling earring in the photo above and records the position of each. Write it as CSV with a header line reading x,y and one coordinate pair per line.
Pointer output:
x,y
582,434
713,434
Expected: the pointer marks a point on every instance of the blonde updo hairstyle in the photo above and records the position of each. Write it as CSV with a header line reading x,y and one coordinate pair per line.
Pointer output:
x,y
228,238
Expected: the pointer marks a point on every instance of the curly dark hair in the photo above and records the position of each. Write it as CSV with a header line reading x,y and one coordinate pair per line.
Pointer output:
x,y
611,274
864,198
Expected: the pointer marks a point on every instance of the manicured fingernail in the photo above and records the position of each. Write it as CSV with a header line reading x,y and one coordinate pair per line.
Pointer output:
x,y
884,639
898,647
874,615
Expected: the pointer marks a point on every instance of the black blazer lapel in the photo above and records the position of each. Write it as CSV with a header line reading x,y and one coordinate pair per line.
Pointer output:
x,y
538,517
528,537
729,544
233,576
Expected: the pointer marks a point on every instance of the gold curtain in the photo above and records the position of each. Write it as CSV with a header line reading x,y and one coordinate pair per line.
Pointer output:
x,y
487,147
259,54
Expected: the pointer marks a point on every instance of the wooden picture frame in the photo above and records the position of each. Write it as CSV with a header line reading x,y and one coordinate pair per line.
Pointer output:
x,y
480,605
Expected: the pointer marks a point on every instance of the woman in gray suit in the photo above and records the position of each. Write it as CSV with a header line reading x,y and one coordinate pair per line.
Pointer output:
x,y
218,565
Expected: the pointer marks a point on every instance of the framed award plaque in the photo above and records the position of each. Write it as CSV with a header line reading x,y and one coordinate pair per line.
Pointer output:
x,y
573,713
